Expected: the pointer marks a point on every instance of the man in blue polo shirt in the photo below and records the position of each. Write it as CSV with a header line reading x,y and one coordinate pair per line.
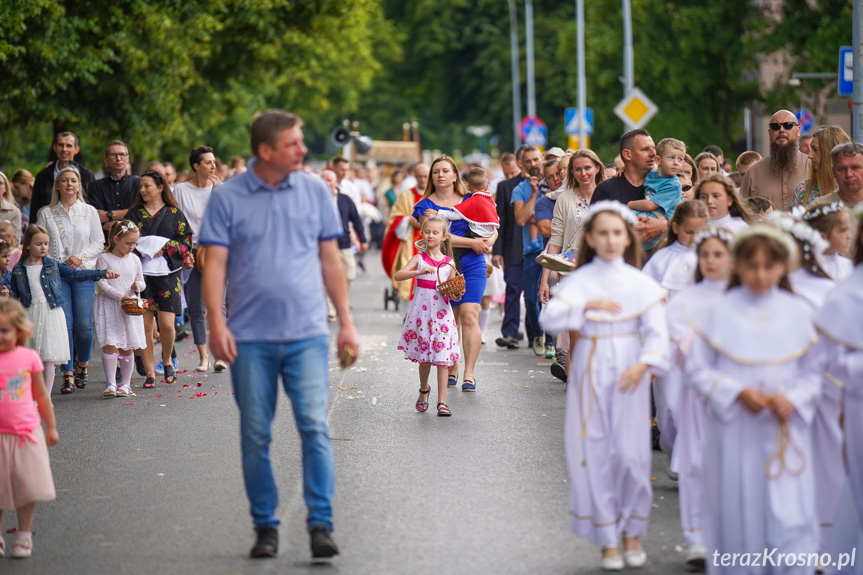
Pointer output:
x,y
271,237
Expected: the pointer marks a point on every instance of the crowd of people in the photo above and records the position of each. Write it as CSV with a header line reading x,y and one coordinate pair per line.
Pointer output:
x,y
703,313
681,304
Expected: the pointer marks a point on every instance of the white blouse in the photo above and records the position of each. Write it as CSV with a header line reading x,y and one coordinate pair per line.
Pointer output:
x,y
81,229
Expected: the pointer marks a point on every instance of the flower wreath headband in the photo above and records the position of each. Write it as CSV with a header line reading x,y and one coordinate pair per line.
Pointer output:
x,y
711,232
769,231
610,206
800,231
808,216
126,228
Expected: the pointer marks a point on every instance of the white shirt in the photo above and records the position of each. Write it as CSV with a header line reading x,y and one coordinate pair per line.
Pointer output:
x,y
731,223
83,232
193,203
350,189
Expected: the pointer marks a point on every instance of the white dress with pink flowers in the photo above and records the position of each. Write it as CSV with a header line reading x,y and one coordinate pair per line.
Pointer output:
x,y
430,334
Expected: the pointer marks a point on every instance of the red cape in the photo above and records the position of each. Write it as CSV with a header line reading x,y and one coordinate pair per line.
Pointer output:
x,y
479,209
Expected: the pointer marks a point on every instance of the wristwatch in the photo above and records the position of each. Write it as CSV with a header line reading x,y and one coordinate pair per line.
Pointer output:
x,y
110,215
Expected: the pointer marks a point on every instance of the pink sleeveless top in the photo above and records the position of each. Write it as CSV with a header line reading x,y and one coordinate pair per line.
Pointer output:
x,y
432,284
18,412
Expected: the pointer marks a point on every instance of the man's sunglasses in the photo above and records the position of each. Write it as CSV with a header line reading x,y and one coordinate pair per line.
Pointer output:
x,y
686,188
776,125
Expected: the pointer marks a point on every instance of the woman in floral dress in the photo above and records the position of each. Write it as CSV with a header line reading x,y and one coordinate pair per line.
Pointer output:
x,y
155,212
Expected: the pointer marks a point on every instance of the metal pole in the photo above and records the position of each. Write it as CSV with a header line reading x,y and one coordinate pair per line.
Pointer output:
x,y
528,32
582,81
516,75
857,42
628,73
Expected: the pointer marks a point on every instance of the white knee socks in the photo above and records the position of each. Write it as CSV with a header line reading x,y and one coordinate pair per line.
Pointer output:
x,y
483,320
127,365
49,376
109,362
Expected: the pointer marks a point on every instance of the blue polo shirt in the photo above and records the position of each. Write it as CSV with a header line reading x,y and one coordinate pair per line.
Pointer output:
x,y
522,193
275,287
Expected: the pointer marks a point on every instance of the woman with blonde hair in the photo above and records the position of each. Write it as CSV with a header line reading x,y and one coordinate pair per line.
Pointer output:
x,y
820,181
76,240
9,211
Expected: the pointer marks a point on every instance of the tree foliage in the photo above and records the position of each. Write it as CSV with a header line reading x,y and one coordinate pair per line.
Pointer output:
x,y
168,74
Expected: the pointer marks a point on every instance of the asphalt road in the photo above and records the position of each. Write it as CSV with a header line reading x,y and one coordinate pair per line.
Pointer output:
x,y
152,484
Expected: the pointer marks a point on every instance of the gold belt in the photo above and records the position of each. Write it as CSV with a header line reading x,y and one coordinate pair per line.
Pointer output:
x,y
783,444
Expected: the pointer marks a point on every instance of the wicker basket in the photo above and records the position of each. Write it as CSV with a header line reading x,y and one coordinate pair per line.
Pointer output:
x,y
135,306
454,287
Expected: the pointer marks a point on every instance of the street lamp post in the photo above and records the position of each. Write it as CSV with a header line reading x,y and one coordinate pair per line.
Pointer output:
x,y
582,81
516,75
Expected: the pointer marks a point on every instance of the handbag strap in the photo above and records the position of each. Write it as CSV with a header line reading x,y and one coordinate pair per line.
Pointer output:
x,y
55,213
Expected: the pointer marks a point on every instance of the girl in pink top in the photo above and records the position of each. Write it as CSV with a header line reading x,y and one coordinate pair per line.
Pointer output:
x,y
25,471
430,336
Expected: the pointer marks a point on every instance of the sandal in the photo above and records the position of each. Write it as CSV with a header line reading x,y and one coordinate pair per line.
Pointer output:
x,y
170,376
452,381
150,381
81,376
423,406
68,383
443,410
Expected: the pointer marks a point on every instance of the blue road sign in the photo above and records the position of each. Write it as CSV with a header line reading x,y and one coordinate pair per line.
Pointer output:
x,y
846,71
571,119
805,120
533,131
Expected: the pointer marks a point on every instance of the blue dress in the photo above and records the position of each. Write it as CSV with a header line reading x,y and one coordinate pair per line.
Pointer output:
x,y
471,264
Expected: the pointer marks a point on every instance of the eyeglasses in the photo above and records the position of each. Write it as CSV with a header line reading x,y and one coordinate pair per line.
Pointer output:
x,y
686,188
776,125
116,156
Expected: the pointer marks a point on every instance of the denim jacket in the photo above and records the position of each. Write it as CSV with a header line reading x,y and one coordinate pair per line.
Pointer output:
x,y
52,272
6,280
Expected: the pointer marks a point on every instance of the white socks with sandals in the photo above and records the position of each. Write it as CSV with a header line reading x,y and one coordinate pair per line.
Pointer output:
x,y
109,363
127,366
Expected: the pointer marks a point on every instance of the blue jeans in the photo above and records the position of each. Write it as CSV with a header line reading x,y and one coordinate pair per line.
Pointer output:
x,y
532,274
78,307
304,370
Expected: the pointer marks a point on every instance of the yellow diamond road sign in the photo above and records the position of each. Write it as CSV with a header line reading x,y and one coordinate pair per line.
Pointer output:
x,y
636,109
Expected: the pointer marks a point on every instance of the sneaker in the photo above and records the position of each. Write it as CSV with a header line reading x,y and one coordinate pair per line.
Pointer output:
x,y
555,262
175,362
267,544
23,547
322,542
550,351
539,346
124,391
507,342
110,391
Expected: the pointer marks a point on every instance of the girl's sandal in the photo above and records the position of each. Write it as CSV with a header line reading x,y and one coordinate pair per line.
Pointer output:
x,y
150,382
443,410
423,406
81,376
170,376
68,383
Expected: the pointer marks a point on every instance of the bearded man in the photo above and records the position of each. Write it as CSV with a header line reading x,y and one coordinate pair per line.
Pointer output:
x,y
403,231
776,176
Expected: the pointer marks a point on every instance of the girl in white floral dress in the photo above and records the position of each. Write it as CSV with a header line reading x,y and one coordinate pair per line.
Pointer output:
x,y
116,331
430,336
